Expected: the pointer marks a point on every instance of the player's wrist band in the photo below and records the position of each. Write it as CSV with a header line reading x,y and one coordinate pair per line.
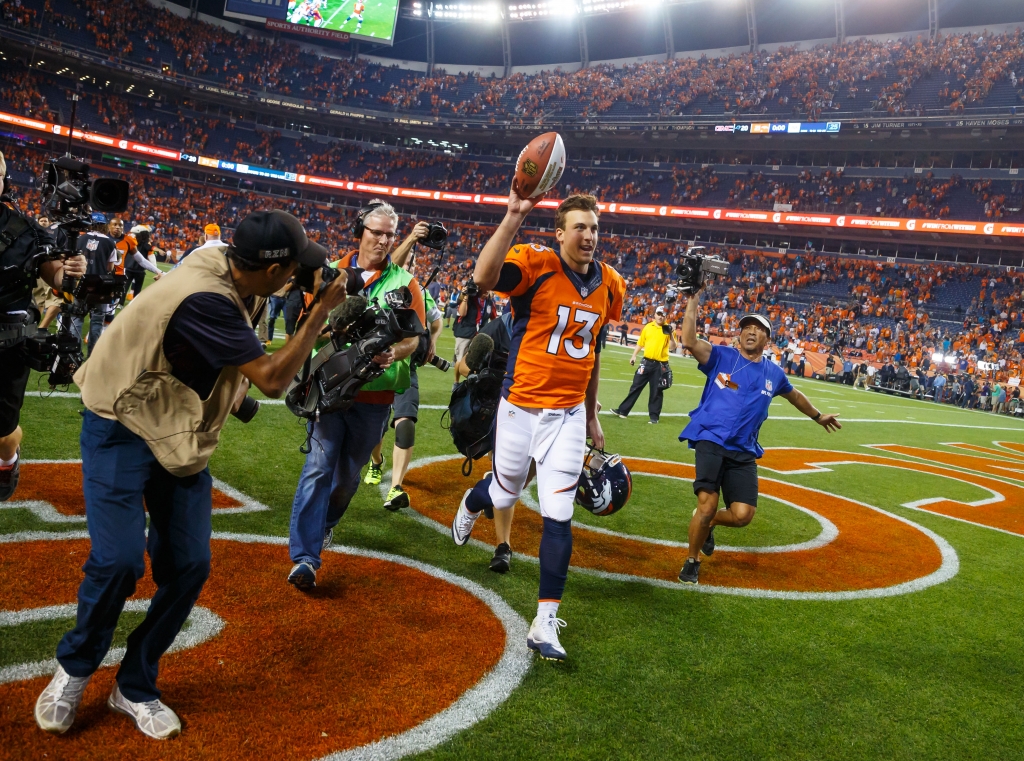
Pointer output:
x,y
815,418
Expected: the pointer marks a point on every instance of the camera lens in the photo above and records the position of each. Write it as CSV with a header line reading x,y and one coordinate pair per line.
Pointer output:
x,y
441,364
247,409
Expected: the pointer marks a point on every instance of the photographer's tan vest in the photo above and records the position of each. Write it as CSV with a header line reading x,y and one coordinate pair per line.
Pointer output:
x,y
128,378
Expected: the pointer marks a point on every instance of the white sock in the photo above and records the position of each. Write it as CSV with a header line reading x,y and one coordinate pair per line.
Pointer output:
x,y
547,608
8,463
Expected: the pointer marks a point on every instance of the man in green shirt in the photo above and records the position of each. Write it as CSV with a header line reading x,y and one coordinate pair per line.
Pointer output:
x,y
656,340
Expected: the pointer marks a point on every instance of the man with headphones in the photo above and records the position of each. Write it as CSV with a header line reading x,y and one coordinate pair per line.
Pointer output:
x,y
343,441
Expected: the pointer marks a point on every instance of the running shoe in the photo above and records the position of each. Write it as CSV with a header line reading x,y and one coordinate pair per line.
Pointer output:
x,y
502,558
58,703
374,473
543,637
397,499
463,522
708,548
690,571
9,477
152,718
302,576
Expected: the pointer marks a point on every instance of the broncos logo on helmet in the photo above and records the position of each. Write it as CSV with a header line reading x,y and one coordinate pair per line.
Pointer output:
x,y
605,483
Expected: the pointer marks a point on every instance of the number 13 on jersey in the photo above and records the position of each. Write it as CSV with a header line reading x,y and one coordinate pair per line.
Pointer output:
x,y
584,332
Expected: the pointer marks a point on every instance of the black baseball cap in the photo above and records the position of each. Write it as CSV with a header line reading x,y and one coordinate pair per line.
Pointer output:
x,y
269,236
758,319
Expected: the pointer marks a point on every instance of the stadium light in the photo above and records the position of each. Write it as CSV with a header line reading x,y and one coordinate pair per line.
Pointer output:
x,y
611,6
951,359
461,11
937,357
542,9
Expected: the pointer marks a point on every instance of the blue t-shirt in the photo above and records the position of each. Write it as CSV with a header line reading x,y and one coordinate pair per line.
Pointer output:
x,y
732,417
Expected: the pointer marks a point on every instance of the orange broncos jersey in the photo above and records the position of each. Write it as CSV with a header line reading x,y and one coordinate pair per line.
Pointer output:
x,y
359,7
125,246
556,317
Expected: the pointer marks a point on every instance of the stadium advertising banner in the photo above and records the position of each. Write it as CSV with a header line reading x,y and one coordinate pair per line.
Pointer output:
x,y
803,219
341,20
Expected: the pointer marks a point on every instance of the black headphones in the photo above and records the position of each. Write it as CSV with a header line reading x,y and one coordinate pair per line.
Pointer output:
x,y
360,226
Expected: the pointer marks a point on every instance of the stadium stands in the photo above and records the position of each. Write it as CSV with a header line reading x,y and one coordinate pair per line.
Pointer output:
x,y
956,74
828,190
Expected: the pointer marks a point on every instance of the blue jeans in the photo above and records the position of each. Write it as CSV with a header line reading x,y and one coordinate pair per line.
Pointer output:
x,y
341,446
97,317
118,472
275,309
939,393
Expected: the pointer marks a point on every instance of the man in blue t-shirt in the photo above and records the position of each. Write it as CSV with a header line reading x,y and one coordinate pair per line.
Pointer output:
x,y
723,429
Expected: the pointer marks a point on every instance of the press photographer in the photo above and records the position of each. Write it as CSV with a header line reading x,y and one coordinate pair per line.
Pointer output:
x,y
157,391
343,437
723,429
474,310
407,403
24,247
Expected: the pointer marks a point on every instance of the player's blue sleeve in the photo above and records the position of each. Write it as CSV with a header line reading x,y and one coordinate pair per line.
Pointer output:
x,y
782,385
711,366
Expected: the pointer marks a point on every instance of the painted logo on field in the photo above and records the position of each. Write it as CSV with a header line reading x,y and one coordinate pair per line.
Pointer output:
x,y
359,668
52,491
840,563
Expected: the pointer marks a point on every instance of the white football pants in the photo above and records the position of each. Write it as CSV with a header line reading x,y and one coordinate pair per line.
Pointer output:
x,y
556,439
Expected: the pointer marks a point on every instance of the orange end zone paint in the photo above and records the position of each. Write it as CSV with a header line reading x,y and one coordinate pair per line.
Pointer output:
x,y
291,676
1006,514
847,563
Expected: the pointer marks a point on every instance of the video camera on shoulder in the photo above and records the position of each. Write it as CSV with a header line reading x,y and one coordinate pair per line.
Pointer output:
x,y
70,198
359,331
696,269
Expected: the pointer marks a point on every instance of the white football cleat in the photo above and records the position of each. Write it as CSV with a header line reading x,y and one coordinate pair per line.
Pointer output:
x,y
57,704
462,524
152,718
543,637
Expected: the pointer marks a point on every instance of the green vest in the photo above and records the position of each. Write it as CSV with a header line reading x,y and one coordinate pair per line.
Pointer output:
x,y
397,377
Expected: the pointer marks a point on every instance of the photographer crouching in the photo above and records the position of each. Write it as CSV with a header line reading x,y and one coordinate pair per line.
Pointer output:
x,y
23,244
343,434
157,391
723,429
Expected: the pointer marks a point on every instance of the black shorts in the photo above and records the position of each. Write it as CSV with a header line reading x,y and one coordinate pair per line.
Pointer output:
x,y
720,469
407,403
13,380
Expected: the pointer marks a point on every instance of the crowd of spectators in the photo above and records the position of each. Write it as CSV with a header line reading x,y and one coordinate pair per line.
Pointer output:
x,y
914,195
858,75
892,313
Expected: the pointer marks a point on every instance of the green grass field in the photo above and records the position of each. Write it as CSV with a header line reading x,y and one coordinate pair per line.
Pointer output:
x,y
662,672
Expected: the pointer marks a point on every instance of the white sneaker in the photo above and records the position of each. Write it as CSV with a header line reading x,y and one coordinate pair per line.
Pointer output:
x,y
152,718
543,637
57,704
462,525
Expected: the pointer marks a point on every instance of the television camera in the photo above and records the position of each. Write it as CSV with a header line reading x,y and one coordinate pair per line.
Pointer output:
x,y
70,198
359,331
696,268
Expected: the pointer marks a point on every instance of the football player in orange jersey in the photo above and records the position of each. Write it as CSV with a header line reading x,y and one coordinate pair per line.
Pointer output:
x,y
548,408
357,13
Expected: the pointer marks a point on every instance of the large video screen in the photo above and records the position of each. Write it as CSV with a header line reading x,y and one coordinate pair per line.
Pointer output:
x,y
372,20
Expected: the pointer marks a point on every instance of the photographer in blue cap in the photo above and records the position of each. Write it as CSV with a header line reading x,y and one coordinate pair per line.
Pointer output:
x,y
157,390
723,429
